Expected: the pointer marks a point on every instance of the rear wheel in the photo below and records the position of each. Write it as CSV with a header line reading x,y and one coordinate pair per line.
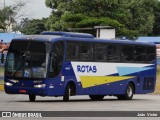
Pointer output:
x,y
128,94
96,97
67,93
32,98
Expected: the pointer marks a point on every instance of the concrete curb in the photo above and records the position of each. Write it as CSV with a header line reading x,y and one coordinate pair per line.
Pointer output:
x,y
1,87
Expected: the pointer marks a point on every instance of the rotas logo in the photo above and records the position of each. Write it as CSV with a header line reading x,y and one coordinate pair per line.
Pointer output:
x,y
86,68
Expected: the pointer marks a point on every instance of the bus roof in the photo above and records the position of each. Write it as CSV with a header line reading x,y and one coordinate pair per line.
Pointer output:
x,y
37,37
68,34
75,37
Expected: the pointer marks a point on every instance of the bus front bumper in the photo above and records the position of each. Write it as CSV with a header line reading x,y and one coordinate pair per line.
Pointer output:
x,y
25,90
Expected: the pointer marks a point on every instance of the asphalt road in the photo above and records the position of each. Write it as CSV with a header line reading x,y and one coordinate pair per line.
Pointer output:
x,y
80,103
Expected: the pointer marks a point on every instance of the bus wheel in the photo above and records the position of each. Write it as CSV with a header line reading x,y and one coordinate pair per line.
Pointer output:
x,y
96,97
129,93
32,98
67,93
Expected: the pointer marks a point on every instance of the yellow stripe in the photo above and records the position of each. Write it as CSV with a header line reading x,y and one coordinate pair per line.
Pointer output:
x,y
1,87
90,81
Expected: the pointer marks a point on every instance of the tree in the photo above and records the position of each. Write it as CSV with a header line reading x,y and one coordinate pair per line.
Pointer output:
x,y
129,17
4,15
156,26
34,26
10,14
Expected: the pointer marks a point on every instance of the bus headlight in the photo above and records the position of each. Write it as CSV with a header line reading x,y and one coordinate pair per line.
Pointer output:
x,y
40,86
8,84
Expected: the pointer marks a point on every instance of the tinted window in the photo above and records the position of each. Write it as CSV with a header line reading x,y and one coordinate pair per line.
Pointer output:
x,y
127,53
72,51
114,53
151,55
140,54
100,52
105,52
86,51
56,59
27,59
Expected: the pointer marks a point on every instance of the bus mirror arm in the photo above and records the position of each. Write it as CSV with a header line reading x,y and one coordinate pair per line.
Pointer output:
x,y
2,56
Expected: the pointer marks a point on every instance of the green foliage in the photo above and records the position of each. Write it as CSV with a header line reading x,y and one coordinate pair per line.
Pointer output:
x,y
130,17
90,21
131,34
1,25
4,15
34,26
10,14
156,27
69,17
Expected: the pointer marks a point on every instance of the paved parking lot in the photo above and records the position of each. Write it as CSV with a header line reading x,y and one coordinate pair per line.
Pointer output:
x,y
79,103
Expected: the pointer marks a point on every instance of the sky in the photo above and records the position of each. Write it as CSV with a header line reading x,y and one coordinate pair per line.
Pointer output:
x,y
35,9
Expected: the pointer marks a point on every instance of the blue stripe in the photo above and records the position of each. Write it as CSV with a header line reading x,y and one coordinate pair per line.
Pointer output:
x,y
130,70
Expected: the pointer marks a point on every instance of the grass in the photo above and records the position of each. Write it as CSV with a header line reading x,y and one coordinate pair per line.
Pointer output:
x,y
1,71
158,71
1,74
157,90
1,81
1,87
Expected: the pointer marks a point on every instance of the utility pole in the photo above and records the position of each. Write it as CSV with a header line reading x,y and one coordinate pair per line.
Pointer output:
x,y
4,3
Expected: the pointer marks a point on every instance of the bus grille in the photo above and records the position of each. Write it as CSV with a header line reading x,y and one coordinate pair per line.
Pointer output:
x,y
148,83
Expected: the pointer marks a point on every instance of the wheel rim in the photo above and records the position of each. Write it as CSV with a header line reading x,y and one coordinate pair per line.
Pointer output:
x,y
129,91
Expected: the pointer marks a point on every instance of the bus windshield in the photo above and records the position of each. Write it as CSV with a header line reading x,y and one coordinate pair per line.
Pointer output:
x,y
27,59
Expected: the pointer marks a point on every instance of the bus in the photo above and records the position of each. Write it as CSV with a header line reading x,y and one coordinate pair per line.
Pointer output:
x,y
68,64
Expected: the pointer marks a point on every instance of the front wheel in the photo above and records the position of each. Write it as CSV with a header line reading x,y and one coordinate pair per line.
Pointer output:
x,y
67,93
32,98
128,94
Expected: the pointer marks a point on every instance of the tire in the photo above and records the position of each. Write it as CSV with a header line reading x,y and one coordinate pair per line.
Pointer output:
x,y
32,98
128,94
67,93
96,97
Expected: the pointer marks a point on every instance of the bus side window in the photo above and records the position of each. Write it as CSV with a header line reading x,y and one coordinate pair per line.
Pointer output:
x,y
101,52
86,52
151,54
114,53
56,59
72,52
140,54
127,53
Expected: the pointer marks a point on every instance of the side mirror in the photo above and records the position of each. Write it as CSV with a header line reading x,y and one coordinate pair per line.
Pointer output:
x,y
2,56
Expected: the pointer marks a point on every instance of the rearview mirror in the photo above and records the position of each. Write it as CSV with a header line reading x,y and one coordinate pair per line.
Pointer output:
x,y
2,56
